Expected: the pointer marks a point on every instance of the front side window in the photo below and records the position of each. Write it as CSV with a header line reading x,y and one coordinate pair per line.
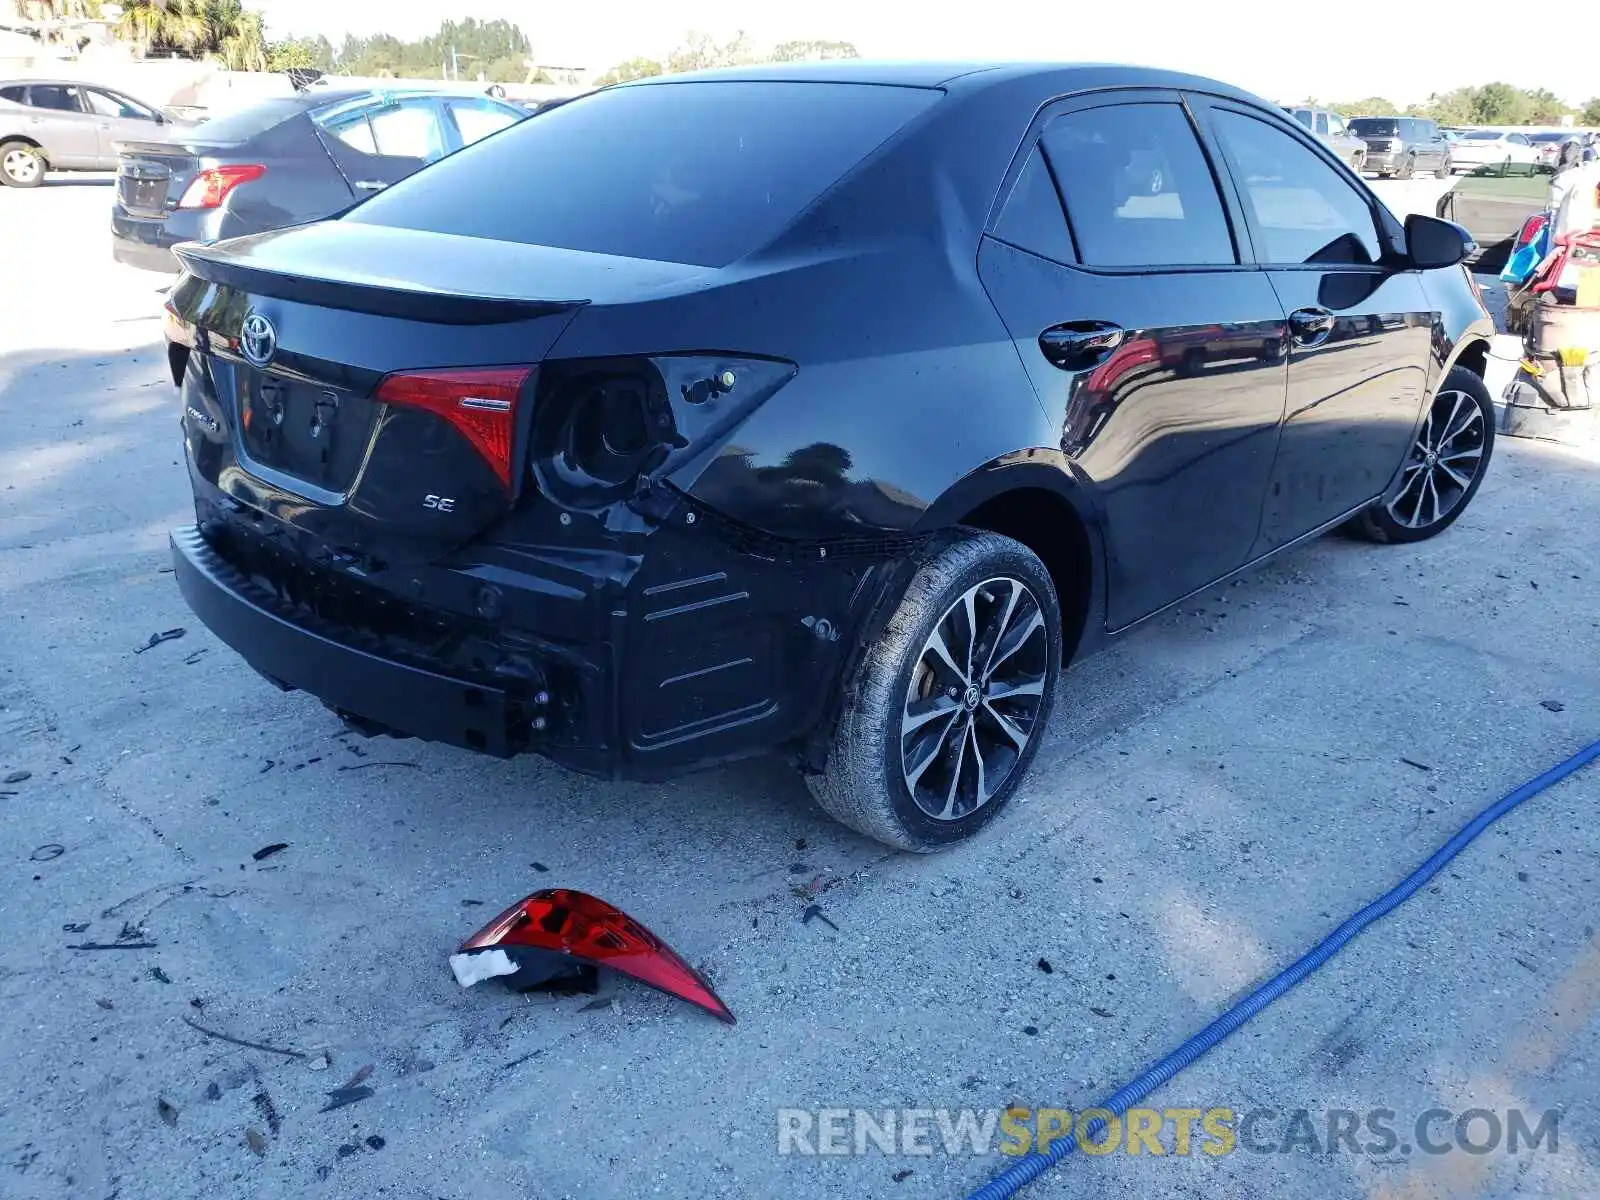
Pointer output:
x,y
105,104
409,129
1138,189
1304,210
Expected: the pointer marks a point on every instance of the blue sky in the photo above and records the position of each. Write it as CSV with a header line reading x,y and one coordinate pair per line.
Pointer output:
x,y
1283,51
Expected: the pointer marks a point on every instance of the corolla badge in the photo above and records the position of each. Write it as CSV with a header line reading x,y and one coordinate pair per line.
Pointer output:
x,y
258,340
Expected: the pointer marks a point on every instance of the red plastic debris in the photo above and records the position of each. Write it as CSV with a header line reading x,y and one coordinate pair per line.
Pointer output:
x,y
585,927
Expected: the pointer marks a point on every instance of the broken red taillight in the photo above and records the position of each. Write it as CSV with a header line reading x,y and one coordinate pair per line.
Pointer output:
x,y
584,927
480,402
209,188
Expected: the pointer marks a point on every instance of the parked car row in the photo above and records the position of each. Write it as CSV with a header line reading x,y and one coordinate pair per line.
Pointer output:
x,y
285,161
65,125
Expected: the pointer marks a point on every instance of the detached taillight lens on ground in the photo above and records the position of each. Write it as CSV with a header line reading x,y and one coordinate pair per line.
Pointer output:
x,y
209,188
574,926
480,402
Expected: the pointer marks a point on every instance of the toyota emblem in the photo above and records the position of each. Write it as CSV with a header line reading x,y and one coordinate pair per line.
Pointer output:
x,y
258,340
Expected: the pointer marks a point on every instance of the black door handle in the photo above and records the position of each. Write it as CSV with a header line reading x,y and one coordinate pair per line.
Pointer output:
x,y
1311,326
1080,345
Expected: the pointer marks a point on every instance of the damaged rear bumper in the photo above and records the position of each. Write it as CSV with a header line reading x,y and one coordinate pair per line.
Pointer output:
x,y
642,658
381,690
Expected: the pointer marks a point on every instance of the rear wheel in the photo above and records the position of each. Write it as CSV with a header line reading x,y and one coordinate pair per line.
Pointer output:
x,y
1446,168
1408,169
944,713
1443,468
21,165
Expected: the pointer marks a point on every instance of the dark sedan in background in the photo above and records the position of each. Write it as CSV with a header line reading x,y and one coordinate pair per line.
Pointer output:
x,y
284,162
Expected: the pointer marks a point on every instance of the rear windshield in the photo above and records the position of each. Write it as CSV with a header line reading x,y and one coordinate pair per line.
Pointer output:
x,y
244,123
1480,135
699,173
1548,137
1374,127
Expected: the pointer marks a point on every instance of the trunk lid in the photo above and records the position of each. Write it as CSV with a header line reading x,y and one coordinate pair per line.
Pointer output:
x,y
293,333
152,176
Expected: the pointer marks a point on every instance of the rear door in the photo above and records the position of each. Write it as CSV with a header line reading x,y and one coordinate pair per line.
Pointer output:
x,y
380,141
119,119
1153,348
60,123
1360,330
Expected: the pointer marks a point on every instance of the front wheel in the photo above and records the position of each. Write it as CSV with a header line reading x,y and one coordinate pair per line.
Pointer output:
x,y
21,165
944,713
1443,468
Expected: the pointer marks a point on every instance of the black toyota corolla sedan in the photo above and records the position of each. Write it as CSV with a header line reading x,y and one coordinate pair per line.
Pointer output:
x,y
823,408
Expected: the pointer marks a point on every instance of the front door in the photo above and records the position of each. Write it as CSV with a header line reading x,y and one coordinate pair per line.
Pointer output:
x,y
118,119
1360,332
1156,352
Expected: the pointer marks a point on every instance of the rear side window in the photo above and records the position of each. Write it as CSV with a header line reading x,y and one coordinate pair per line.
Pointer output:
x,y
1305,211
1322,122
1032,219
55,97
16,94
1138,189
698,173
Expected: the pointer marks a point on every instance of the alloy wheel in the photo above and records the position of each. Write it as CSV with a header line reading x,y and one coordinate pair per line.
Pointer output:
x,y
1444,461
21,165
974,700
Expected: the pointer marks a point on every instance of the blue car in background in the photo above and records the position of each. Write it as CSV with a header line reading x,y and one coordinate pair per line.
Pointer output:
x,y
286,161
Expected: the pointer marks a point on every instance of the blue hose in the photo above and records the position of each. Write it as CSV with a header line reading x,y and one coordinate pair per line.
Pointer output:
x,y
1029,1167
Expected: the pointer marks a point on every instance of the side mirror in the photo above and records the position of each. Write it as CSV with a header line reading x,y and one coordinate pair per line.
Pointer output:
x,y
1432,243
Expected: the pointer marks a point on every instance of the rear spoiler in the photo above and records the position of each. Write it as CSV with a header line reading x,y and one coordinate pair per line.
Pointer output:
x,y
352,293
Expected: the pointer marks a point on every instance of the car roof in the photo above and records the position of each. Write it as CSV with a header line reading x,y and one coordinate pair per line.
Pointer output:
x,y
1058,78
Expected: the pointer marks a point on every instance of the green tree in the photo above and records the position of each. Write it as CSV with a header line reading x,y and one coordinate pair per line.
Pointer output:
x,y
300,54
1590,113
1372,106
701,51
803,51
1500,104
634,68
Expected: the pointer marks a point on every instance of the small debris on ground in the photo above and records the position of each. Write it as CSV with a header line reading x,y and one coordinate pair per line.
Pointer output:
x,y
257,1143
1031,1030
159,975
268,1111
375,1142
47,851
799,843
19,777
1044,965
168,1110
539,867
381,763
104,1003
76,927
1552,705
166,635
111,946
1100,1012
1411,762
269,851
320,1061
902,1175
813,912
340,1097
213,1091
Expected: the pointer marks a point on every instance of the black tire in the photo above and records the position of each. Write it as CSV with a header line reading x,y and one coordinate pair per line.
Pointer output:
x,y
865,782
1446,168
1409,170
11,174
1391,519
